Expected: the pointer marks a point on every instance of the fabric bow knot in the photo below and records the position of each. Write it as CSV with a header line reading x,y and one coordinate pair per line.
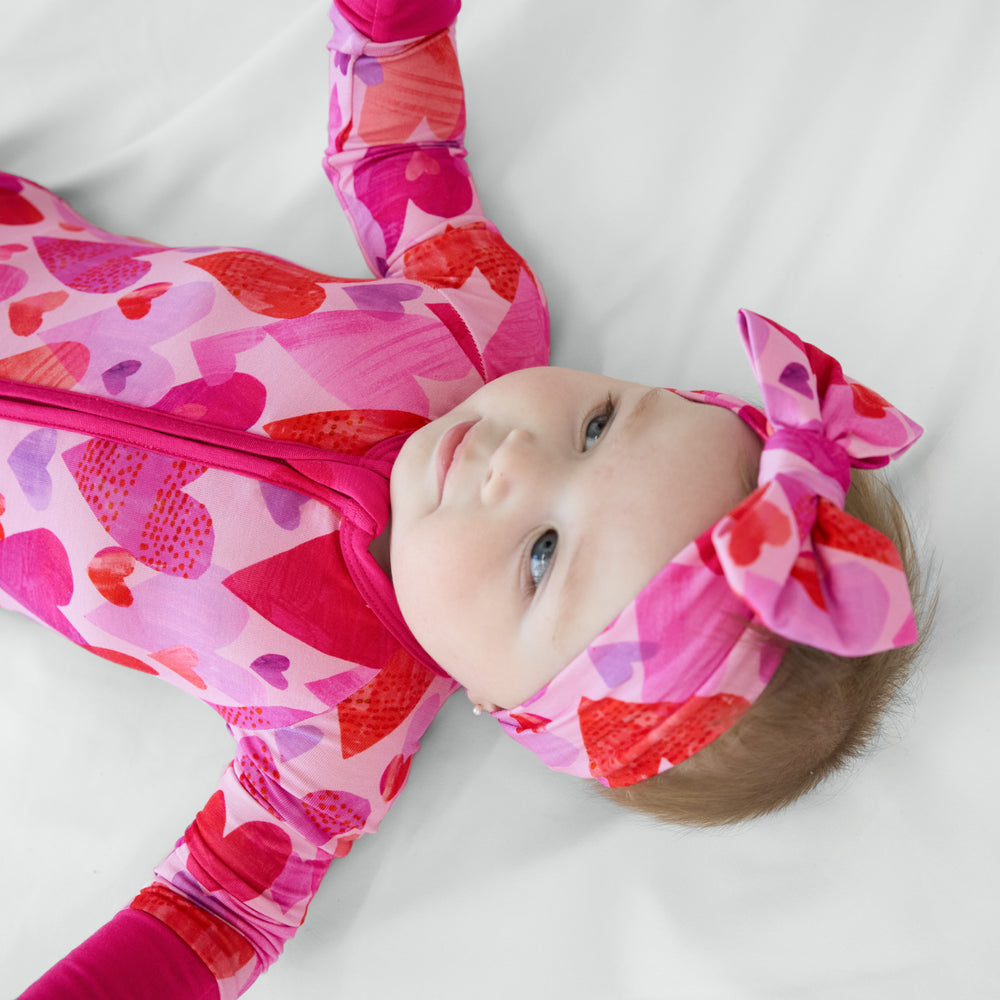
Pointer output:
x,y
811,572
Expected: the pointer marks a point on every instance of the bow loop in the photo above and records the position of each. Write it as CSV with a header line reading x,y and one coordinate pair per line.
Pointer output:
x,y
804,388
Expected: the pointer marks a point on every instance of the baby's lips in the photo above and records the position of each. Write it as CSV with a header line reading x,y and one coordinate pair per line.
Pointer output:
x,y
447,449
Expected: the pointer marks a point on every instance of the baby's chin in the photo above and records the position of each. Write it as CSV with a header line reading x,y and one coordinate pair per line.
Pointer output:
x,y
412,481
415,445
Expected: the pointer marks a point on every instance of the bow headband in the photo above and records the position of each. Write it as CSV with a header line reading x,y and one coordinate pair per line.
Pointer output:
x,y
682,662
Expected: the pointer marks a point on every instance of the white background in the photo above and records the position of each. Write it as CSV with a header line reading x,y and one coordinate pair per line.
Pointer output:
x,y
834,164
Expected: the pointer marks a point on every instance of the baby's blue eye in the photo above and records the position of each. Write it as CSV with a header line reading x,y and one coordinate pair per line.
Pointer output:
x,y
597,425
541,555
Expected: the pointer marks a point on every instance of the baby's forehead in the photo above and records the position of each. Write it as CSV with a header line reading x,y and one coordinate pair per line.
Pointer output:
x,y
564,372
748,412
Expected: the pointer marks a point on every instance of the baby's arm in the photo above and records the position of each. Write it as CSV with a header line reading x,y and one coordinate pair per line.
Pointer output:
x,y
240,880
396,155
397,161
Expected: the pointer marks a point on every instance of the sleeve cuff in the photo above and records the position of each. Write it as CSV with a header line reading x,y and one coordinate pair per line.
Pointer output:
x,y
132,957
394,20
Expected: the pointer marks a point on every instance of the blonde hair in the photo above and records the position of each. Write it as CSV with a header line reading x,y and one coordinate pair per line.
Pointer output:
x,y
819,712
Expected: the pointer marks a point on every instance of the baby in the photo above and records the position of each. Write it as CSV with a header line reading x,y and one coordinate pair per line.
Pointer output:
x,y
205,446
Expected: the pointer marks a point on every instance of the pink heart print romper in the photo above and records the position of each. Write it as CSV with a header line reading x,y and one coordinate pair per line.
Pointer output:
x,y
196,453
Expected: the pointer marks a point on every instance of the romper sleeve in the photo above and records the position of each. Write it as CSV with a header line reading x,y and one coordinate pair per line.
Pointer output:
x,y
133,955
397,160
238,883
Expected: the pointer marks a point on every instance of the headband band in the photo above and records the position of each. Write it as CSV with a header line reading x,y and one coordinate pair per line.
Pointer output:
x,y
680,664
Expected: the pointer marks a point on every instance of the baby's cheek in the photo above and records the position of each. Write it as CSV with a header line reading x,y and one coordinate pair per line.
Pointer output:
x,y
449,560
423,583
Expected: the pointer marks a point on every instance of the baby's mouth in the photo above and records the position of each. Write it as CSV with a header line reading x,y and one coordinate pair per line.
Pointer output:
x,y
447,448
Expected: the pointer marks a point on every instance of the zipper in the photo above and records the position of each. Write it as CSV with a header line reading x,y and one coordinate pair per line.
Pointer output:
x,y
290,464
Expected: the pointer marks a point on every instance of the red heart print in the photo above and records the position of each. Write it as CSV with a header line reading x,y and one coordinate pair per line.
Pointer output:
x,y
244,862
135,304
26,314
868,403
61,365
182,660
264,284
107,572
16,210
763,523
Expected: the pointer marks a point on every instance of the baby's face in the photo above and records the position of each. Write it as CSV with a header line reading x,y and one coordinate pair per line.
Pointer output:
x,y
525,519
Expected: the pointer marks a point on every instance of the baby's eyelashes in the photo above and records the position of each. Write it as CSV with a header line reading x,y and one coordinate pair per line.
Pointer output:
x,y
598,424
541,556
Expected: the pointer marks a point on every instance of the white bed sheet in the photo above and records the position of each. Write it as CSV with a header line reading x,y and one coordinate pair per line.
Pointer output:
x,y
831,164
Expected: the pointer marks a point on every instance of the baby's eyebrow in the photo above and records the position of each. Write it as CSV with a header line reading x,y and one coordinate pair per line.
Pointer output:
x,y
640,408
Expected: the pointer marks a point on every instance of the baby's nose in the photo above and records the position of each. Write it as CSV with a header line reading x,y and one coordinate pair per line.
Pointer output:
x,y
515,464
